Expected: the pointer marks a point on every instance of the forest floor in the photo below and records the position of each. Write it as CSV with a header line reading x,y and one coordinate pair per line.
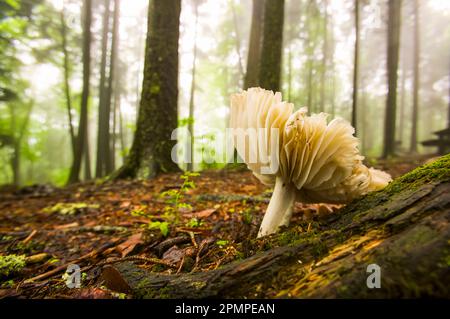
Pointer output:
x,y
158,224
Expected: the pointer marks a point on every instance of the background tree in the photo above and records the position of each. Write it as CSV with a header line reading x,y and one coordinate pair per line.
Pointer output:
x,y
103,161
416,75
82,147
254,51
150,153
270,72
393,36
355,68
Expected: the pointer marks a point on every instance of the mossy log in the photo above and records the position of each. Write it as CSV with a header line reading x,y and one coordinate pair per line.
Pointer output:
x,y
405,229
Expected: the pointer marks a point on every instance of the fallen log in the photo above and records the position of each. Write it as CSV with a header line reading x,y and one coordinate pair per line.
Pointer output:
x,y
404,230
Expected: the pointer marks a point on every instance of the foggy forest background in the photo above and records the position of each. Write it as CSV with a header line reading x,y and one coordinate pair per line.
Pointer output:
x,y
41,75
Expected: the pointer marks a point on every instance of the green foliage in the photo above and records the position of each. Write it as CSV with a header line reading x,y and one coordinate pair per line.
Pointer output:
x,y
162,226
174,198
69,208
221,243
194,222
11,264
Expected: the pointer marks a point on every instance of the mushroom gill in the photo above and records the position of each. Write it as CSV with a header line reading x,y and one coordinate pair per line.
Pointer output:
x,y
307,158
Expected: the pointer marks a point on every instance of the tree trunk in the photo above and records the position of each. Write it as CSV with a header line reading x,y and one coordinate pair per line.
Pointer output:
x,y
190,141
112,86
82,127
271,52
237,38
393,35
403,229
416,84
150,153
356,68
103,151
66,81
255,42
324,58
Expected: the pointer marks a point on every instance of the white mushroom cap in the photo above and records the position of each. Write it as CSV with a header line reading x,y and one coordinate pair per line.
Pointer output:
x,y
316,160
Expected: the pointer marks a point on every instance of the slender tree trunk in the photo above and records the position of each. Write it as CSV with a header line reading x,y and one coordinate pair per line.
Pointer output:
x,y
255,43
87,157
109,167
190,142
67,92
82,127
152,146
393,35
356,69
103,114
290,74
238,39
416,84
332,70
271,54
401,128
448,111
324,57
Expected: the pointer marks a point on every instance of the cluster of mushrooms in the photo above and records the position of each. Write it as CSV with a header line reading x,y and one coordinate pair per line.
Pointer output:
x,y
306,158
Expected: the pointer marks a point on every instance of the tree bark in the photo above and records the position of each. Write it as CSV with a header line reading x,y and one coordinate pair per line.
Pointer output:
x,y
82,127
272,44
150,152
404,229
103,149
255,42
113,85
416,83
393,36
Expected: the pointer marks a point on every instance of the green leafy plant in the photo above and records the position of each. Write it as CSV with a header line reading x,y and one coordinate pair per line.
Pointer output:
x,y
194,222
174,198
222,243
162,226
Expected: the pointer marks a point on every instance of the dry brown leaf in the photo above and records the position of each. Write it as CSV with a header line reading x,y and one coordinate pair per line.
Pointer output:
x,y
201,214
127,246
66,226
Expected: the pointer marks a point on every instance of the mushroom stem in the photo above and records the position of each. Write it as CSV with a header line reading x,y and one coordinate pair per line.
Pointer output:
x,y
279,210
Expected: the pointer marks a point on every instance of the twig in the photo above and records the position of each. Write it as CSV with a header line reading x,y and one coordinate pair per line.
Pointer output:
x,y
29,237
64,267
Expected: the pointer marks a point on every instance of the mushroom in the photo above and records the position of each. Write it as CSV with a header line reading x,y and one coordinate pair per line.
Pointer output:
x,y
306,158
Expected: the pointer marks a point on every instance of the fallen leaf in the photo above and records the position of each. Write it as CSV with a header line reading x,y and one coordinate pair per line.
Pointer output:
x,y
175,254
66,226
201,214
127,246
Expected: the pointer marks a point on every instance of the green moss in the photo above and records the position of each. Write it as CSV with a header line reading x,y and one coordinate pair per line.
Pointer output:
x,y
11,264
69,208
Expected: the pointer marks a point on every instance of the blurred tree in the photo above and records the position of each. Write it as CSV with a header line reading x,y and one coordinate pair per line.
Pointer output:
x,y
325,50
393,38
355,68
82,147
190,142
271,52
150,153
254,51
113,85
416,79
103,162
